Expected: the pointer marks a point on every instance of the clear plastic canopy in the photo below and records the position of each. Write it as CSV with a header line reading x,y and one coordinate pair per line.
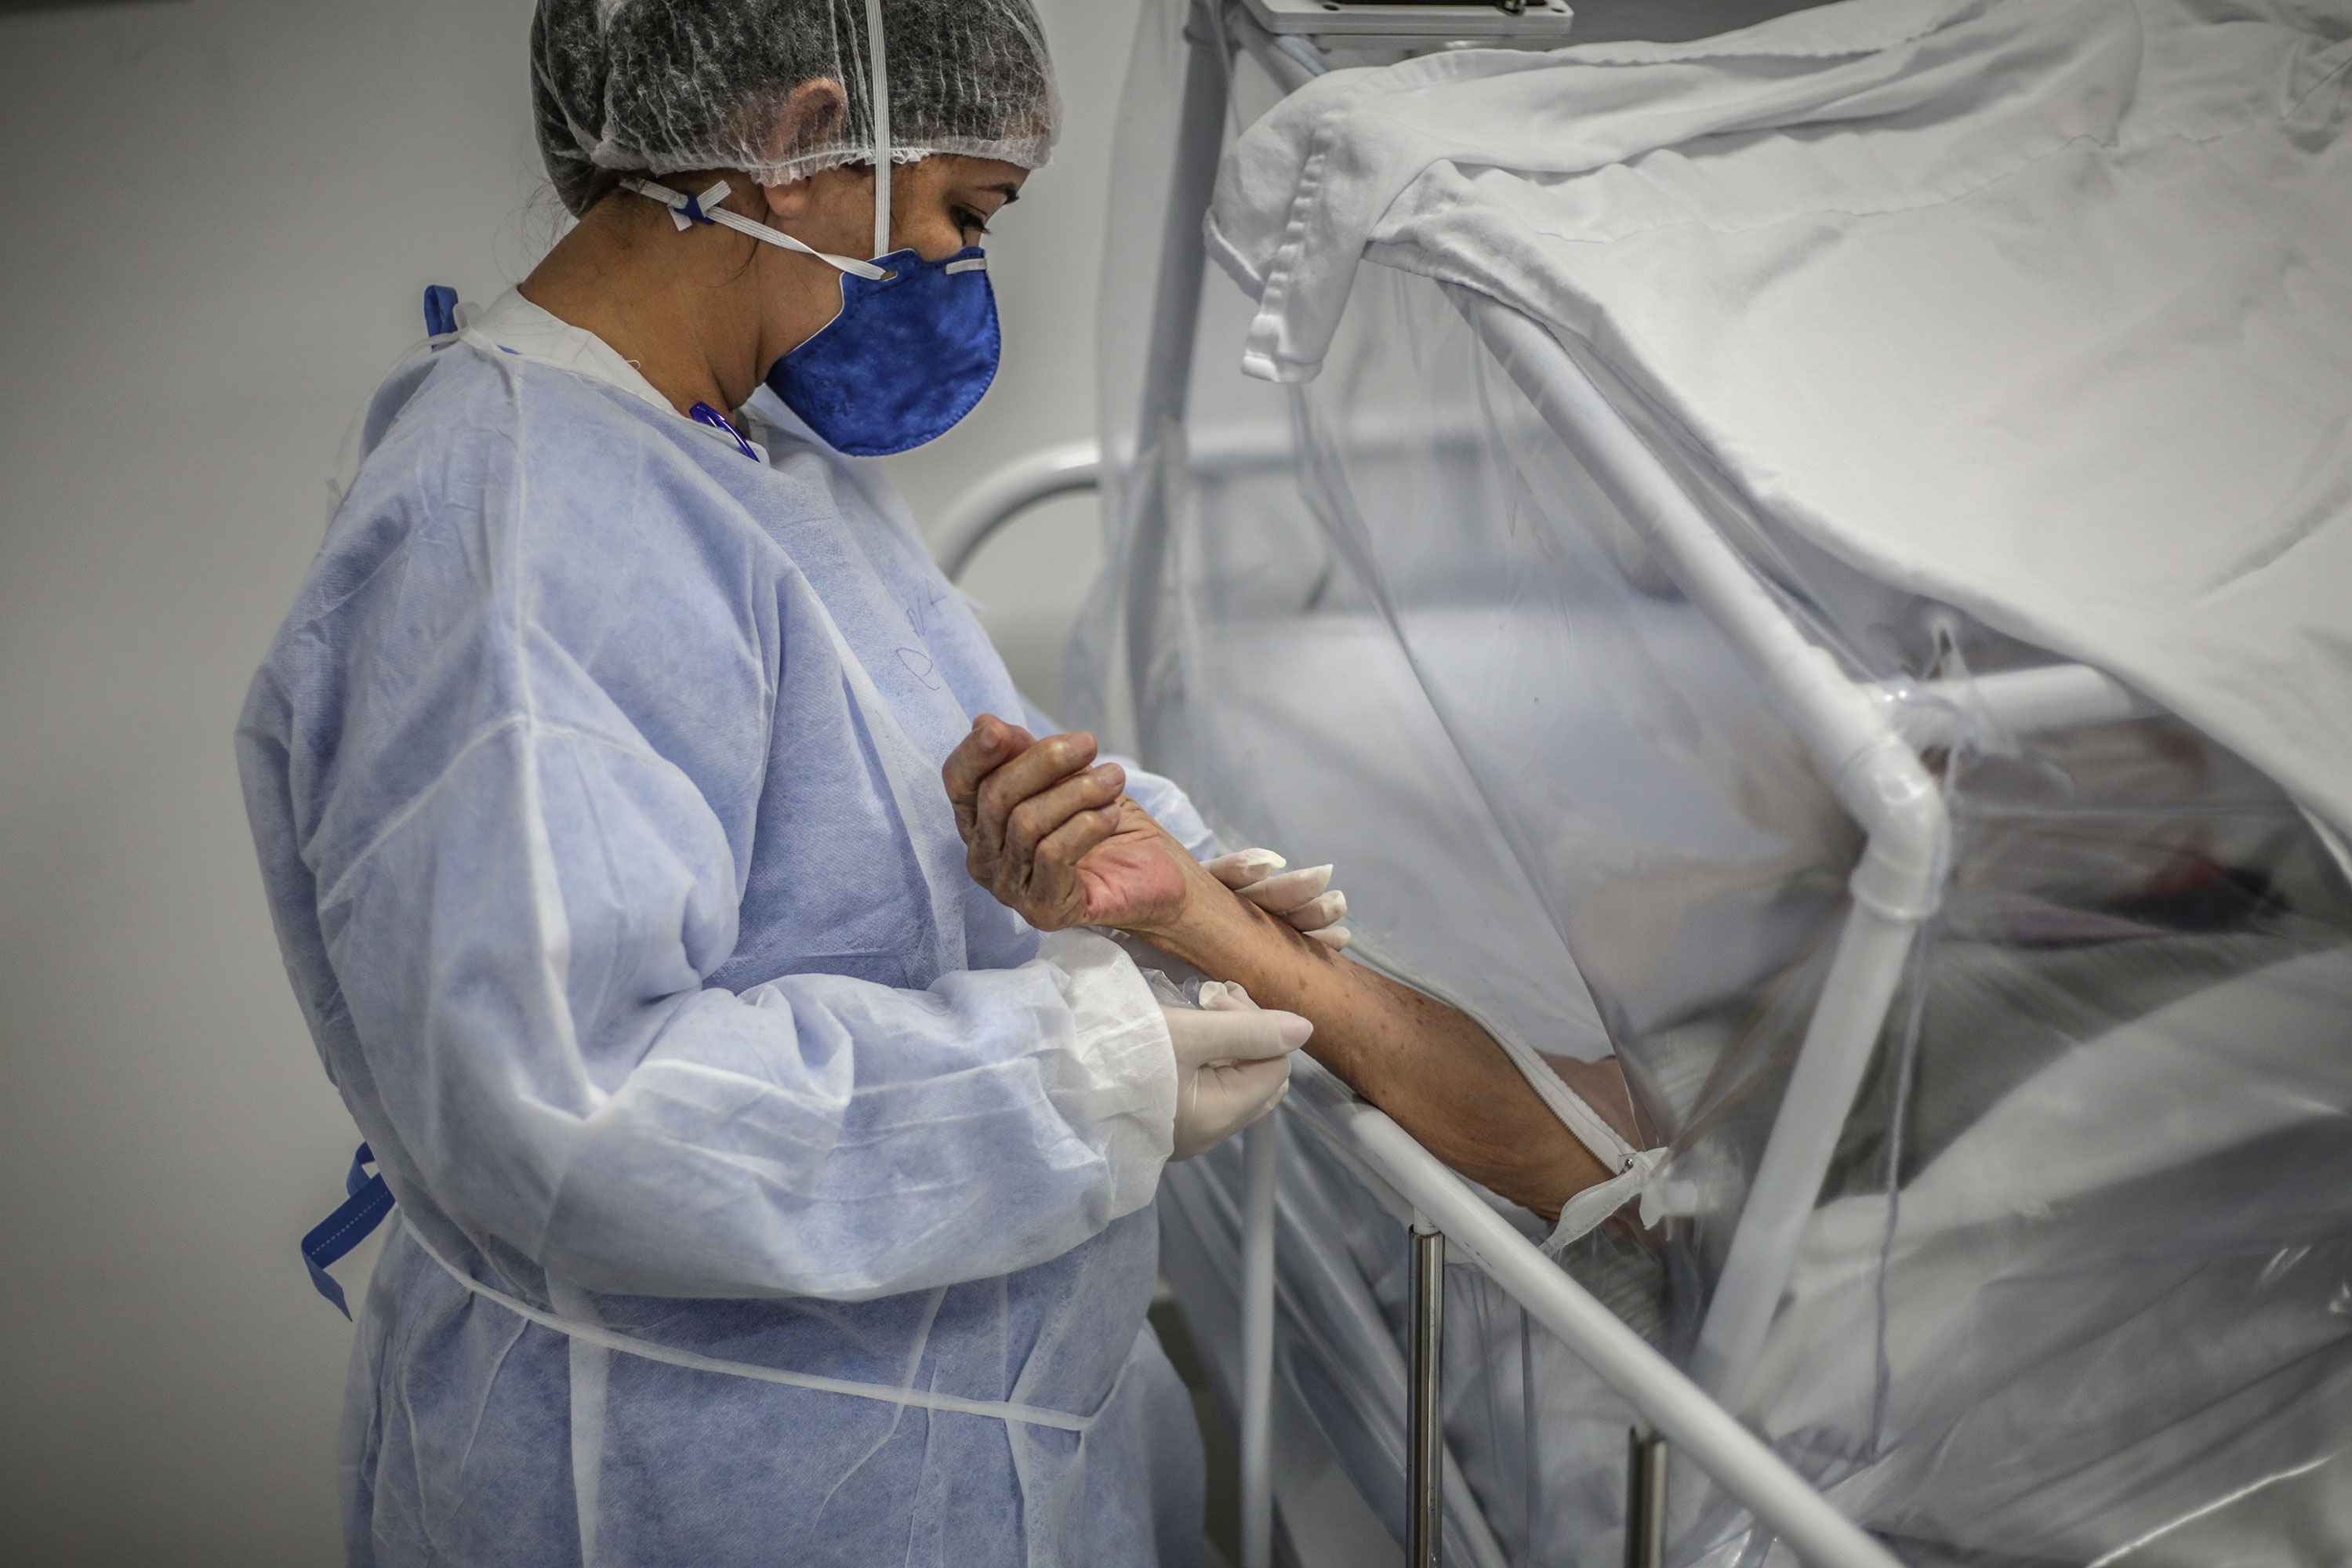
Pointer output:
x,y
2076,1289
663,86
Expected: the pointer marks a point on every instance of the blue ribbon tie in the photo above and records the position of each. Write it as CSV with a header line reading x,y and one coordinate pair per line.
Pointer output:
x,y
440,310
335,1235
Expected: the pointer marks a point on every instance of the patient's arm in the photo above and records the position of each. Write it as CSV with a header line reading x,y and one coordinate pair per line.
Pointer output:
x,y
1441,1076
1060,842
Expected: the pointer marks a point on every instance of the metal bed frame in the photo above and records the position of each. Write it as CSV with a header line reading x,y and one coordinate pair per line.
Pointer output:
x,y
1865,738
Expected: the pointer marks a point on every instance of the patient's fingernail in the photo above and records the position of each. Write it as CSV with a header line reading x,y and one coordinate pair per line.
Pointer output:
x,y
1296,1030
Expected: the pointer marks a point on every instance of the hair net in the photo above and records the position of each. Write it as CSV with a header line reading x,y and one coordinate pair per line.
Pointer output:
x,y
661,86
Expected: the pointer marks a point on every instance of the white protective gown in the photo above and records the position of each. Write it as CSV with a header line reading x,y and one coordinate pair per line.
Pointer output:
x,y
595,780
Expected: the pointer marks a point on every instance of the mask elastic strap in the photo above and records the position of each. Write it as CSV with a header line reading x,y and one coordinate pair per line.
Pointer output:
x,y
880,86
685,211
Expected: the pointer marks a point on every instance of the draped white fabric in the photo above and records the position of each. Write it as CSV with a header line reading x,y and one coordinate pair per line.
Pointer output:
x,y
2042,308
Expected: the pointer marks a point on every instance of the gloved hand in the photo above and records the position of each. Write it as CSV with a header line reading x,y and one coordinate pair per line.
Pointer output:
x,y
1233,1065
1304,901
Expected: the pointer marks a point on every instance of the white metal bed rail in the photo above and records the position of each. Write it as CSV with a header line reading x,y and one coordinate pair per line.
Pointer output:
x,y
1700,1429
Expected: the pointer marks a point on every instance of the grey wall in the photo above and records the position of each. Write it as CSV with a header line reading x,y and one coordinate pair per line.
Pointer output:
x,y
223,217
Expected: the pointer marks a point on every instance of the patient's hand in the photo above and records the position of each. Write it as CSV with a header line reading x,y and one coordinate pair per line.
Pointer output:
x,y
1056,839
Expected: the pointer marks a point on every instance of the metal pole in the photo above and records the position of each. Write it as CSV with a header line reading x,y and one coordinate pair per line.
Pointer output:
x,y
1878,777
1258,1344
1168,362
1864,975
1425,1410
1645,1499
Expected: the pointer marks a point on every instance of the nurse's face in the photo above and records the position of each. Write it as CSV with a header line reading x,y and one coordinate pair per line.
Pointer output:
x,y
946,202
937,205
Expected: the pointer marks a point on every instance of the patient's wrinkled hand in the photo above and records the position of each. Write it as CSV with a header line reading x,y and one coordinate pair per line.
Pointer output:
x,y
1054,836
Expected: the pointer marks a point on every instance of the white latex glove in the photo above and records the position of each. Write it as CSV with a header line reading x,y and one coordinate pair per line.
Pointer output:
x,y
1304,899
1233,1065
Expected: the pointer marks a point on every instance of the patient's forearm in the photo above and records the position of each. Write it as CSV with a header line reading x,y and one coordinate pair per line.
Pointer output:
x,y
1442,1077
1050,837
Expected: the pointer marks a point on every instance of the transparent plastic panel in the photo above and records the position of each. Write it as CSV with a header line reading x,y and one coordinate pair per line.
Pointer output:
x,y
2078,1288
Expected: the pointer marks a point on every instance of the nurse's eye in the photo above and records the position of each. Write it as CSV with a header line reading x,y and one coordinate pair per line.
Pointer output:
x,y
974,227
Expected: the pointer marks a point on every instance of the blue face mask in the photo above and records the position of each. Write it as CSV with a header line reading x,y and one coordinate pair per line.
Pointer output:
x,y
906,359
913,348
915,343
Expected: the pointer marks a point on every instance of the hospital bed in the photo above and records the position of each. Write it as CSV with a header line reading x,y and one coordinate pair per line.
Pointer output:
x,y
1997,1020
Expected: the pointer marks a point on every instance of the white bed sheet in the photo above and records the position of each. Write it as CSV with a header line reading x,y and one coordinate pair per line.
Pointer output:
x,y
2042,308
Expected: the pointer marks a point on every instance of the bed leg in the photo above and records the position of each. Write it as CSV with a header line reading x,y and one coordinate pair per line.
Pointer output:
x,y
1645,1499
1259,1153
1425,1411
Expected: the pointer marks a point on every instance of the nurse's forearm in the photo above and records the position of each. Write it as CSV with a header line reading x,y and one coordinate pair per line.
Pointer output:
x,y
1441,1076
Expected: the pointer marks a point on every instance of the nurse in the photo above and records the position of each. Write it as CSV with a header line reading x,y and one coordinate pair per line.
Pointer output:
x,y
768,1190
